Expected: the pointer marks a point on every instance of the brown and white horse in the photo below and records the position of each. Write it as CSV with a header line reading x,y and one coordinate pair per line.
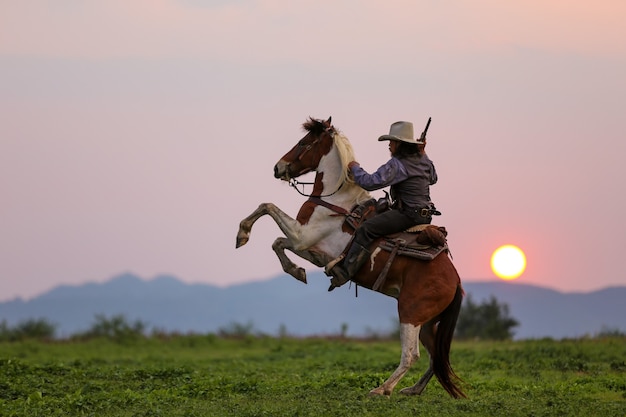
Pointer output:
x,y
429,293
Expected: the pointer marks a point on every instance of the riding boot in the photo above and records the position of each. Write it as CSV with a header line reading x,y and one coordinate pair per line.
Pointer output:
x,y
345,270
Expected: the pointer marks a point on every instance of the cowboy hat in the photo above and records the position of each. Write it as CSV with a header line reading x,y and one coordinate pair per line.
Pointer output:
x,y
402,131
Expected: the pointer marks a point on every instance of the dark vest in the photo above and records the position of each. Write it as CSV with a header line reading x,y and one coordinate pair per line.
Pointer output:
x,y
414,192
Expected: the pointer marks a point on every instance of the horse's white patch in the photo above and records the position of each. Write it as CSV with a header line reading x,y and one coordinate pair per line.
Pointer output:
x,y
373,257
409,334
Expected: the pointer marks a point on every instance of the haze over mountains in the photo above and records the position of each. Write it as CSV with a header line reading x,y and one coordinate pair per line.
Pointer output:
x,y
283,304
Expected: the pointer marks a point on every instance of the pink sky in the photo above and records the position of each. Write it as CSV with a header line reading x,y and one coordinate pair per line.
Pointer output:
x,y
134,136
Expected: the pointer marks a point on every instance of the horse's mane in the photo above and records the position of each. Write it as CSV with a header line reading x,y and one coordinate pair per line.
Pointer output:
x,y
344,149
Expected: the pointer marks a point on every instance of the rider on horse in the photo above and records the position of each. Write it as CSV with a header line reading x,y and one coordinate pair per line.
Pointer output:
x,y
410,173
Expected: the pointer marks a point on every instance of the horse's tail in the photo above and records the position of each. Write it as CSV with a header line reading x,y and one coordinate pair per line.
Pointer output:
x,y
443,339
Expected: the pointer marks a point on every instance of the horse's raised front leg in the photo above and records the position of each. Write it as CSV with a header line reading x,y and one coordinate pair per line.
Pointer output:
x,y
279,246
409,337
245,226
293,240
289,226
313,256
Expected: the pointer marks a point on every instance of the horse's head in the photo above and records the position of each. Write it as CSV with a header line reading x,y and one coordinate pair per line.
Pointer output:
x,y
306,155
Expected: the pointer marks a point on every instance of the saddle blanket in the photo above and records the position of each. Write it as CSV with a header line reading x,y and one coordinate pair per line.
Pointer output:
x,y
423,242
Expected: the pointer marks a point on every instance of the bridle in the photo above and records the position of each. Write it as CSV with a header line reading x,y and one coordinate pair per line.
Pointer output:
x,y
317,199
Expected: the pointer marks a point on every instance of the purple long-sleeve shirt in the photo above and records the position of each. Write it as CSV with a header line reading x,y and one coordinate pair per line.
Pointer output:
x,y
410,179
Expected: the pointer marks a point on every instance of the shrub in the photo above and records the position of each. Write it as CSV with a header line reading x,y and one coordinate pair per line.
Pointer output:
x,y
116,328
489,320
39,329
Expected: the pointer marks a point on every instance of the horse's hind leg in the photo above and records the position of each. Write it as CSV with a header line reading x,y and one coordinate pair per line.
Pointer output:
x,y
427,336
409,337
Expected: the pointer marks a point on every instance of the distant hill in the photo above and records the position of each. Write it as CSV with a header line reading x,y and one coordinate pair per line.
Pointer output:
x,y
168,304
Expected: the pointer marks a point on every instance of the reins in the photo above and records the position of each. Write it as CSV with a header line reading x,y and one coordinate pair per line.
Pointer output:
x,y
294,183
317,199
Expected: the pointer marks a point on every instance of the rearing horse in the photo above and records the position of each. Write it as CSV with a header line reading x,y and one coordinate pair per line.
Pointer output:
x,y
429,293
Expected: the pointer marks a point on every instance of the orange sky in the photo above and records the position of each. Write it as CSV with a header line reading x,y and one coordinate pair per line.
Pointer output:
x,y
135,135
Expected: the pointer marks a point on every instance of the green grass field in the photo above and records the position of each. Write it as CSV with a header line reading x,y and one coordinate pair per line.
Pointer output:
x,y
211,376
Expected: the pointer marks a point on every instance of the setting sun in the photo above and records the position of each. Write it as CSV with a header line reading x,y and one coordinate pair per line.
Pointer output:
x,y
508,262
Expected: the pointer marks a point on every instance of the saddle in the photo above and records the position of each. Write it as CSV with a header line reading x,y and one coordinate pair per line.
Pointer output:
x,y
424,241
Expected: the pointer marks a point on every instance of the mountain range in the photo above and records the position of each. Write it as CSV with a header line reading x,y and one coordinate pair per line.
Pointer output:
x,y
283,304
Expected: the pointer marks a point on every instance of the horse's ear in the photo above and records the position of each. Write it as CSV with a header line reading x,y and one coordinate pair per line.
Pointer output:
x,y
329,126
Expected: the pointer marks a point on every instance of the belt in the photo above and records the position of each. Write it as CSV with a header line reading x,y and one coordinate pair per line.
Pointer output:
x,y
427,212
424,212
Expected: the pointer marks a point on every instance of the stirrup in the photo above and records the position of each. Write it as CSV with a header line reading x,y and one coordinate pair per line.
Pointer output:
x,y
338,279
334,285
330,265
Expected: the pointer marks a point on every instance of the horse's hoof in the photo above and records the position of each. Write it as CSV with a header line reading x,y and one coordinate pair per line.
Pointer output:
x,y
300,275
241,240
409,391
377,392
